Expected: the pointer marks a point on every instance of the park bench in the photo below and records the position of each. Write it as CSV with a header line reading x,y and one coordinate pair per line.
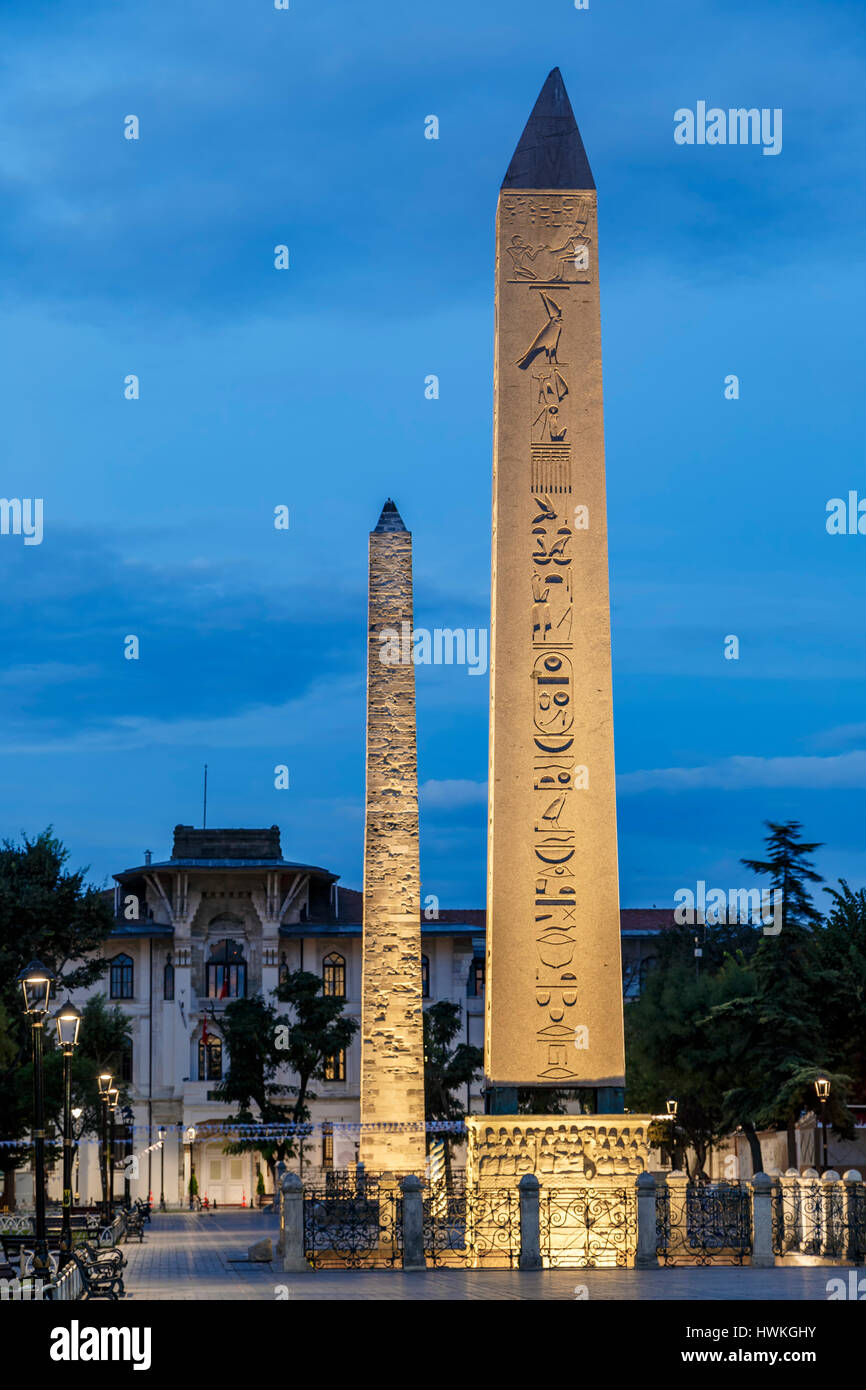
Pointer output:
x,y
100,1277
135,1220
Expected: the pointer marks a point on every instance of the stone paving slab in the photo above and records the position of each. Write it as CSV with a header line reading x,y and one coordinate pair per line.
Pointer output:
x,y
200,1257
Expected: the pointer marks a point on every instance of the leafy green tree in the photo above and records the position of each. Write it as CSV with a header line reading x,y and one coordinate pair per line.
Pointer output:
x,y
677,1047
249,1028
790,871
261,1042
318,1029
447,1069
841,948
781,1021
48,913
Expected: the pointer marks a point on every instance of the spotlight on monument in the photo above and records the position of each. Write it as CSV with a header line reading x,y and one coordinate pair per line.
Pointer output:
x,y
554,1008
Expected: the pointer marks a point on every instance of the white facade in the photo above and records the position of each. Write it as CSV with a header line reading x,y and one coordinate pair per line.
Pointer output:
x,y
173,920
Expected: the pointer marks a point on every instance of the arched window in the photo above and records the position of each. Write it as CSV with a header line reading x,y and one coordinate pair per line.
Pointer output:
x,y
475,985
226,971
121,977
425,977
168,980
283,972
335,1066
334,975
210,1059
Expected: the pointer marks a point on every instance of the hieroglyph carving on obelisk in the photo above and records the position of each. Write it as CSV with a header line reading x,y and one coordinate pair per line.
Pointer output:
x,y
554,990
392,1045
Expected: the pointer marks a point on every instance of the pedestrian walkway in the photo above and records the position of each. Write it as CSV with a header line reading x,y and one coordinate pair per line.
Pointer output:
x,y
202,1256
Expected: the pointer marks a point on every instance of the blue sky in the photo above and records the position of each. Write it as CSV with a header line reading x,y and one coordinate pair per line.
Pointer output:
x,y
305,387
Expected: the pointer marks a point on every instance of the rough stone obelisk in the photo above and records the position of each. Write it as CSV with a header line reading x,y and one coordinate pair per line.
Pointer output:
x,y
392,1047
554,992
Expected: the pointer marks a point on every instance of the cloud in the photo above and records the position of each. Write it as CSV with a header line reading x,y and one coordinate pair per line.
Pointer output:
x,y
846,770
839,736
258,726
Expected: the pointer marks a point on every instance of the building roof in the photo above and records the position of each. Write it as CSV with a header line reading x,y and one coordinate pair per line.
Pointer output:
x,y
193,843
234,850
284,864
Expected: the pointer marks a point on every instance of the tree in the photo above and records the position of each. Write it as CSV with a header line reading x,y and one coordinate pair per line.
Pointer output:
x,y
677,1047
249,1029
841,948
317,1029
447,1069
261,1042
49,914
789,870
781,1021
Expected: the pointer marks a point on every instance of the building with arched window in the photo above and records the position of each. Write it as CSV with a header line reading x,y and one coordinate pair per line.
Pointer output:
x,y
122,977
227,918
334,975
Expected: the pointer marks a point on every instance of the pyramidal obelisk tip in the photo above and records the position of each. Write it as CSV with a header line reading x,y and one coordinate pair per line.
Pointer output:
x,y
390,519
550,152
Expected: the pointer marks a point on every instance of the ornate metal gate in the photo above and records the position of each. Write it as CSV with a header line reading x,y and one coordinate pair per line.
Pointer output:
x,y
704,1223
588,1227
354,1228
471,1227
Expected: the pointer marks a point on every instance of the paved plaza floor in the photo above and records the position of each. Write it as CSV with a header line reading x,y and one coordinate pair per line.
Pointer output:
x,y
187,1256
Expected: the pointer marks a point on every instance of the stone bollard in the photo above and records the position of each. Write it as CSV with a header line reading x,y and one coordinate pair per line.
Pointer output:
x,y
852,1198
762,1221
292,1223
646,1254
413,1223
279,1170
530,1232
832,1234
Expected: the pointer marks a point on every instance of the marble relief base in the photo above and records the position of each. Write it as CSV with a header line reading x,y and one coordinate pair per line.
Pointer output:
x,y
561,1150
587,1168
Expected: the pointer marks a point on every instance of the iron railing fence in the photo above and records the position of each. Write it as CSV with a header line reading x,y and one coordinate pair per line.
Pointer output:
x,y
471,1227
704,1223
351,1229
821,1219
587,1227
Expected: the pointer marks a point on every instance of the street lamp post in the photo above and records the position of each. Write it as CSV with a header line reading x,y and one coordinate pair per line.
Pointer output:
x,y
113,1095
76,1115
822,1091
104,1083
68,1020
126,1112
36,981
671,1108
161,1168
190,1135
